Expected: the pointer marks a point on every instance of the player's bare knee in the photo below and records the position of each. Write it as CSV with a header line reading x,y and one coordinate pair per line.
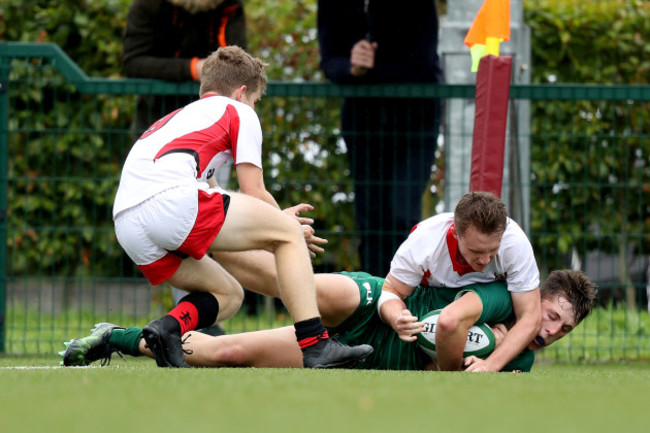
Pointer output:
x,y
291,238
236,299
292,229
230,303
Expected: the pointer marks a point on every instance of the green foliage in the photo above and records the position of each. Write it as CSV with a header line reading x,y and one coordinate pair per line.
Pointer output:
x,y
590,172
87,158
64,148
88,31
67,148
590,159
303,159
305,162
600,42
285,35
596,148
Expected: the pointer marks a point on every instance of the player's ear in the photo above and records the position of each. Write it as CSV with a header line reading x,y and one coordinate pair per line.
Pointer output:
x,y
454,233
239,93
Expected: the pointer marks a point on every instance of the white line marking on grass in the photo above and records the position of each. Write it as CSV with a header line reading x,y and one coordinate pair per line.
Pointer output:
x,y
43,367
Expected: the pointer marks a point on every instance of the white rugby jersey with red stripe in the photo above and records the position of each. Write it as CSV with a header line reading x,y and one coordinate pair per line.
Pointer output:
x,y
188,146
428,257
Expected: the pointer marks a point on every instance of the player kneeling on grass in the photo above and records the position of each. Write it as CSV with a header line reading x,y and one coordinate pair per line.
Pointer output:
x,y
169,214
348,303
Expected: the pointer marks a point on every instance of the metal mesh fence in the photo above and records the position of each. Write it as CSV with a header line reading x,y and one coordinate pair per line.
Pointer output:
x,y
64,136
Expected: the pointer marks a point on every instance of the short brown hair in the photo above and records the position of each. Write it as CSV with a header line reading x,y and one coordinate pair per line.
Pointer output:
x,y
229,68
483,210
575,286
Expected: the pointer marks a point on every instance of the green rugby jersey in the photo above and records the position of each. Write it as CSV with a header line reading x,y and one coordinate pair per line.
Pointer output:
x,y
391,353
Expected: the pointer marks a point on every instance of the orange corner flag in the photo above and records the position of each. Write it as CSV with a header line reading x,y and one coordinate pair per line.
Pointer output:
x,y
490,27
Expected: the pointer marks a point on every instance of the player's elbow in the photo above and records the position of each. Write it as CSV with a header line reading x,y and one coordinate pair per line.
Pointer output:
x,y
253,189
448,322
258,193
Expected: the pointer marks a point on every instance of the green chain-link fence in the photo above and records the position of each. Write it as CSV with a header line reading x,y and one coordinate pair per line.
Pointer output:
x,y
63,137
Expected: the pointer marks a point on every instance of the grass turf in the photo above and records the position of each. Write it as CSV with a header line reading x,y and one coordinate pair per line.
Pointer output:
x,y
134,395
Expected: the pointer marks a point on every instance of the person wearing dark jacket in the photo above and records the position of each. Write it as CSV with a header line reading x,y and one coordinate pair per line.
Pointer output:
x,y
170,39
391,142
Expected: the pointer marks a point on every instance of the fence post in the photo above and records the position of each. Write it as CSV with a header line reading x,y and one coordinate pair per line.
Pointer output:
x,y
4,187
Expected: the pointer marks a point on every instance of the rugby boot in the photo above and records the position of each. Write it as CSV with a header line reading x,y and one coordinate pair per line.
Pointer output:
x,y
165,343
86,350
332,354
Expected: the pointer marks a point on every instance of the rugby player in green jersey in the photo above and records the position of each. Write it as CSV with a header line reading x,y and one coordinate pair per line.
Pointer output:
x,y
348,304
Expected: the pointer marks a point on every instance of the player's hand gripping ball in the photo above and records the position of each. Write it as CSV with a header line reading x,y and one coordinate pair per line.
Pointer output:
x,y
480,339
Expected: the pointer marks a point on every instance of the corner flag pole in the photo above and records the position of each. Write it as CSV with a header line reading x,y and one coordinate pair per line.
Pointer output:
x,y
490,27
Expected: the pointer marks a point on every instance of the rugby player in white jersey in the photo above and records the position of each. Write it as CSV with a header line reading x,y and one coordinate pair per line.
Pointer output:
x,y
477,243
169,214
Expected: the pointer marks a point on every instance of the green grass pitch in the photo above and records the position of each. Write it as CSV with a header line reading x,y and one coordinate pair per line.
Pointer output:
x,y
133,395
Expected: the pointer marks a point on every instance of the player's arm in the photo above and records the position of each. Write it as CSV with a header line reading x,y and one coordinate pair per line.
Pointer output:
x,y
251,182
528,311
393,311
522,362
452,328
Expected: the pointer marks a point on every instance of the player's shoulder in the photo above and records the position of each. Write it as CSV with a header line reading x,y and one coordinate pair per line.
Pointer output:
x,y
513,228
426,240
515,240
213,104
441,222
514,236
214,99
217,106
246,114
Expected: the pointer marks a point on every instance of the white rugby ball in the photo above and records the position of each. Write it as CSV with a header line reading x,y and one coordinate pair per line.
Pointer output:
x,y
480,339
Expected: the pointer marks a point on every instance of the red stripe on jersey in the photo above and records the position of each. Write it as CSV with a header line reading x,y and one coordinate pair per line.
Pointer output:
x,y
427,273
425,279
452,244
206,143
234,133
162,269
159,124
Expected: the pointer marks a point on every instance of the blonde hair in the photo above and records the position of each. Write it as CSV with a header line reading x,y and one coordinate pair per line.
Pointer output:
x,y
229,68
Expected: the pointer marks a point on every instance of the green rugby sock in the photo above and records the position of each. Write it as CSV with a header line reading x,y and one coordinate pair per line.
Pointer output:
x,y
127,340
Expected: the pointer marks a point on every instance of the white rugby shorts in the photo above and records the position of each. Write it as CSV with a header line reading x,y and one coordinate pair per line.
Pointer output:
x,y
180,222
